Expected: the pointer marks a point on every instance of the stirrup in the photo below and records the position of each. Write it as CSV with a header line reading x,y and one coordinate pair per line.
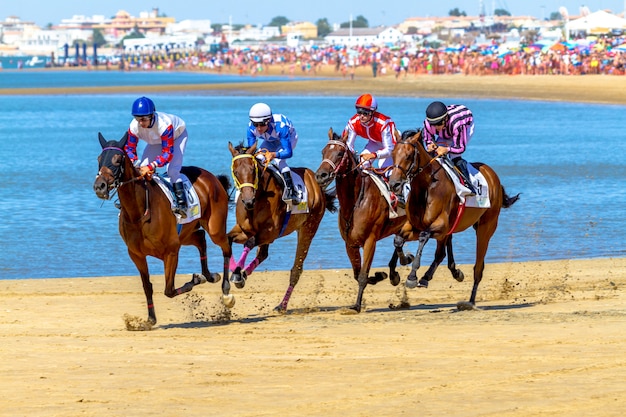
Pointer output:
x,y
180,212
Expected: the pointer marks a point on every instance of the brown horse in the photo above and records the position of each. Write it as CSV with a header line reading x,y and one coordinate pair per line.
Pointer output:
x,y
263,216
434,208
149,228
363,213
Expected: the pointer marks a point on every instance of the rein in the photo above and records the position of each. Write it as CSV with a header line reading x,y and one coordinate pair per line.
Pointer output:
x,y
414,169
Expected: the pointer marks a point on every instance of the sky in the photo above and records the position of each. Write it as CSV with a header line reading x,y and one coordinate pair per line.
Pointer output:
x,y
261,12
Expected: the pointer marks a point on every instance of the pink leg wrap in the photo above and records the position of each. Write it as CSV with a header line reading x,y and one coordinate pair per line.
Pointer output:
x,y
286,298
241,261
252,266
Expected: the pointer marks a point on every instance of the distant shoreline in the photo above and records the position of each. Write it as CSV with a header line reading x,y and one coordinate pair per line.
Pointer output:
x,y
600,89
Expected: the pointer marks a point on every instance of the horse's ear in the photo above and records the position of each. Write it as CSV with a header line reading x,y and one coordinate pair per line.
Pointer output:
x,y
330,133
231,149
124,139
344,135
103,141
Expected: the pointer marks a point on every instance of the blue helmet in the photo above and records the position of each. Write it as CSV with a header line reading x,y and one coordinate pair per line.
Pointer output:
x,y
143,106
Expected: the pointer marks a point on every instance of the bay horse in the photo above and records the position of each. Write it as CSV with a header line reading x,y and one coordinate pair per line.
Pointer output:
x,y
262,216
364,214
149,228
434,208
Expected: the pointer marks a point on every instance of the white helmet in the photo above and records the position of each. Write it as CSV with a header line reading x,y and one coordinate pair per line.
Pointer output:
x,y
260,112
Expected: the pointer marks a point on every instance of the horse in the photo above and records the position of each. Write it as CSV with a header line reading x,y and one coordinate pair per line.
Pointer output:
x,y
262,216
364,213
434,208
149,228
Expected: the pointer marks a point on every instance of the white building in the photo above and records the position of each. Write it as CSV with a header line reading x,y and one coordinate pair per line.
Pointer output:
x,y
364,36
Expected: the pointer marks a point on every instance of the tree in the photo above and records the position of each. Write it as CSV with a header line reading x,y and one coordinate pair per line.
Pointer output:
x,y
555,16
501,12
359,22
323,27
278,21
98,38
456,12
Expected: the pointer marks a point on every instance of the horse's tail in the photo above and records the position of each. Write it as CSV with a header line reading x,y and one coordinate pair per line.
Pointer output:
x,y
331,200
508,201
225,181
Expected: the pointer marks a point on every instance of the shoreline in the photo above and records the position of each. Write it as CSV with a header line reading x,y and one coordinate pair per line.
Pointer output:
x,y
599,89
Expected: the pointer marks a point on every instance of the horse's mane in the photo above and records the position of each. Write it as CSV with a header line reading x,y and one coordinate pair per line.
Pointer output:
x,y
241,148
407,134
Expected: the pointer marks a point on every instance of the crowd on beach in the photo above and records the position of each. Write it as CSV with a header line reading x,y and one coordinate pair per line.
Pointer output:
x,y
601,57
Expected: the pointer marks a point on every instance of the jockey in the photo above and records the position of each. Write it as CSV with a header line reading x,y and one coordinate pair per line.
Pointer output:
x,y
279,139
166,138
378,129
448,130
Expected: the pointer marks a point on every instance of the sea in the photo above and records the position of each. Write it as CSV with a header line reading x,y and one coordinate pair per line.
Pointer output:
x,y
566,160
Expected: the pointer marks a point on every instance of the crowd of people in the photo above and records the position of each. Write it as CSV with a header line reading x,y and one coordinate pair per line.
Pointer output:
x,y
599,57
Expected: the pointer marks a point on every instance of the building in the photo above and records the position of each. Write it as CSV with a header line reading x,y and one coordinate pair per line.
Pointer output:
x,y
364,36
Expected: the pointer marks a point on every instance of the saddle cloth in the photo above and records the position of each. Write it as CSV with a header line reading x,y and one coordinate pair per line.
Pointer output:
x,y
193,202
480,200
384,190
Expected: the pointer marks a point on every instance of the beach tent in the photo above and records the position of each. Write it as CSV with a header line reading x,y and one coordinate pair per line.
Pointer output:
x,y
597,22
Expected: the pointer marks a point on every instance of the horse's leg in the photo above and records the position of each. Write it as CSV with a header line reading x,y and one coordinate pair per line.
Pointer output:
x,y
484,231
398,254
305,237
198,239
142,266
239,274
440,254
456,273
369,247
411,280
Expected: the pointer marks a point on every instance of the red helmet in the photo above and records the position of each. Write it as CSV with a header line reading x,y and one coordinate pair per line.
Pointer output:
x,y
366,101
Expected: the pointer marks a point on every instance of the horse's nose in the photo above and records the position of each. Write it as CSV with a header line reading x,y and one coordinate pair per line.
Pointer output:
x,y
395,185
101,188
320,177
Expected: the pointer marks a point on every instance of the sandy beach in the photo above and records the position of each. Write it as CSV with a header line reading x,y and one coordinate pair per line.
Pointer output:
x,y
548,339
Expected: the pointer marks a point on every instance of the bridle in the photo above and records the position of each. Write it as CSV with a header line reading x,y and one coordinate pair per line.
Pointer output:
x,y
414,169
238,184
344,158
116,170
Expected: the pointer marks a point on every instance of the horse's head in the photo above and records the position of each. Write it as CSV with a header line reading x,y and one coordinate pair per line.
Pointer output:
x,y
245,172
336,158
407,161
111,166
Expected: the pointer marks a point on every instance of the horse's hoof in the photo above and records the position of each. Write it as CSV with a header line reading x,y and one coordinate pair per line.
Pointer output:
x,y
459,276
228,300
407,260
423,283
378,276
280,309
411,283
395,278
198,279
466,306
214,278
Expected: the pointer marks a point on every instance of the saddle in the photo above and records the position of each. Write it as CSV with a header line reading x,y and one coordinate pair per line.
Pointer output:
x,y
193,202
300,187
395,208
481,199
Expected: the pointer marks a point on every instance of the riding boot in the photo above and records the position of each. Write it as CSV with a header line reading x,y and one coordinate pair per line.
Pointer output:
x,y
181,199
291,190
461,165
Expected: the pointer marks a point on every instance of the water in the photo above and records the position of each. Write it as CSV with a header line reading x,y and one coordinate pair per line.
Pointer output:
x,y
566,159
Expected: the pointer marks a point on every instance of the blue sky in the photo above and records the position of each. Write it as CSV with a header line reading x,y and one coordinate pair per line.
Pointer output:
x,y
377,12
